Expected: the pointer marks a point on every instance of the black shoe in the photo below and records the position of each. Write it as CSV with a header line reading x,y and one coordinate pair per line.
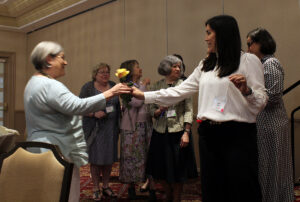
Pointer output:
x,y
107,192
131,193
152,195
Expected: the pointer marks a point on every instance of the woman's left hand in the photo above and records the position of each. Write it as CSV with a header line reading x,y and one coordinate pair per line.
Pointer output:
x,y
184,140
240,82
146,81
100,114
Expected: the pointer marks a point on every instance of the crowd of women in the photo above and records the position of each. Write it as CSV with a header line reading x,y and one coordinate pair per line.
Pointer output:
x,y
244,143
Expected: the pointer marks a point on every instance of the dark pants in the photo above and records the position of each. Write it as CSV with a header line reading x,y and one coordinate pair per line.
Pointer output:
x,y
229,162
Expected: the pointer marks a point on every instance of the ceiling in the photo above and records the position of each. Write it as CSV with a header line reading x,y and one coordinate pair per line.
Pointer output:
x,y
29,15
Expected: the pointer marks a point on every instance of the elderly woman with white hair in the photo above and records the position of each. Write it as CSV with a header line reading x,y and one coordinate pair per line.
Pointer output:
x,y
51,109
171,158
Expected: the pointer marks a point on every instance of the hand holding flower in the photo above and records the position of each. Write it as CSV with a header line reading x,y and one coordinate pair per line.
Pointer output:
x,y
117,90
123,75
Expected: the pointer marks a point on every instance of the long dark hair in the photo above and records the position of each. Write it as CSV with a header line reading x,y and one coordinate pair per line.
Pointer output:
x,y
265,39
228,45
128,64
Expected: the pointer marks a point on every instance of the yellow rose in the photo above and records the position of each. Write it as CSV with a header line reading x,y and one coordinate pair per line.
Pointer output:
x,y
122,73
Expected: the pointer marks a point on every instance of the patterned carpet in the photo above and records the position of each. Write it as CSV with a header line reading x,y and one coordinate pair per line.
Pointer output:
x,y
191,190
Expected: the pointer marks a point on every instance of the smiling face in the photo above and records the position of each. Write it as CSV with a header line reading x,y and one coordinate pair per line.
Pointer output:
x,y
57,65
210,39
175,72
103,75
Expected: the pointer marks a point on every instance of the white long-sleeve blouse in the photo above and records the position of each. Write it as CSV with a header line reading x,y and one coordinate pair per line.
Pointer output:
x,y
219,99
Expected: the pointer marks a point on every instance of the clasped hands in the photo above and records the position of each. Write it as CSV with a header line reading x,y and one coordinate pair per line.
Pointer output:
x,y
240,82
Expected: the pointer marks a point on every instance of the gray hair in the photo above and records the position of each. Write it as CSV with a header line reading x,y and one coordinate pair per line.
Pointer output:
x,y
41,51
165,66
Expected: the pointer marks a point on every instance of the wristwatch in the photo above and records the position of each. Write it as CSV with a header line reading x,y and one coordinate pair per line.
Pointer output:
x,y
249,92
187,130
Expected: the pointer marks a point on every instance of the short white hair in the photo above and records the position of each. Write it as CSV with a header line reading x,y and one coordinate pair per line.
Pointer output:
x,y
41,51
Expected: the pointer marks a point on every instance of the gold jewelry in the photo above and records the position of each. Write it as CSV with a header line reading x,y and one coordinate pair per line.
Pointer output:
x,y
44,74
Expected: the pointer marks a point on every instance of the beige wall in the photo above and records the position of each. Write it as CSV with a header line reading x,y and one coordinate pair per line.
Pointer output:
x,y
147,30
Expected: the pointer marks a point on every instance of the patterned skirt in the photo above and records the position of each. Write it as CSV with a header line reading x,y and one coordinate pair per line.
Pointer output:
x,y
133,153
275,160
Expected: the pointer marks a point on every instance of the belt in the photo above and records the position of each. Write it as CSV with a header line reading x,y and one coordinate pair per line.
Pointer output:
x,y
210,122
224,123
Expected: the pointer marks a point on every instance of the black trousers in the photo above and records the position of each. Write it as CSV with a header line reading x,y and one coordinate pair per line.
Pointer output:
x,y
229,162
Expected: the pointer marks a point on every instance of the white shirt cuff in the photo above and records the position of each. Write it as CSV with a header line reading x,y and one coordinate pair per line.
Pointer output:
x,y
150,97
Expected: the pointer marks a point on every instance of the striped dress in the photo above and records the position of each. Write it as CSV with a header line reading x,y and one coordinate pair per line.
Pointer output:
x,y
274,143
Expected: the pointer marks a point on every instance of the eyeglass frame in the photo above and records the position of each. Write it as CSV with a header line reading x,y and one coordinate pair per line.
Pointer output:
x,y
249,44
102,72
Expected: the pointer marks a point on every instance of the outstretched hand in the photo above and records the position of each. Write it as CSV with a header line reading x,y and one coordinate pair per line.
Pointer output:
x,y
240,82
137,93
118,89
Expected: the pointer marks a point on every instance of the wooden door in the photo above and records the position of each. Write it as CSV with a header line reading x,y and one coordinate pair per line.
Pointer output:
x,y
7,89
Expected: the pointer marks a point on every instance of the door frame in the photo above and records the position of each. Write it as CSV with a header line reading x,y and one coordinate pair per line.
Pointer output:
x,y
10,87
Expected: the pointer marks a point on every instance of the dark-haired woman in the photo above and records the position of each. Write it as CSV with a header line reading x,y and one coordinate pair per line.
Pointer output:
x,y
231,91
273,139
136,130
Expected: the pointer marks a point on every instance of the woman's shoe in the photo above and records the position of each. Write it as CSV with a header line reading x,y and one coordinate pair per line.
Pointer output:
x,y
142,190
97,195
131,193
107,192
152,195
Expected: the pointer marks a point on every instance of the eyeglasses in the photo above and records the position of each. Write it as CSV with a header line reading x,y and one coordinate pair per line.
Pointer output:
x,y
60,56
176,65
103,72
249,44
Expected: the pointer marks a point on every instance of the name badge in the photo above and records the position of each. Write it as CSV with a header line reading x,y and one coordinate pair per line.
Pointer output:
x,y
219,103
109,109
171,113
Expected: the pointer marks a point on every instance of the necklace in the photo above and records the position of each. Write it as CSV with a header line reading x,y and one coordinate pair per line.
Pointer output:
x,y
100,87
44,74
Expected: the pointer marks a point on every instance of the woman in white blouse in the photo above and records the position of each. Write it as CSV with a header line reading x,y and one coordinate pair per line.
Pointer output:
x,y
231,91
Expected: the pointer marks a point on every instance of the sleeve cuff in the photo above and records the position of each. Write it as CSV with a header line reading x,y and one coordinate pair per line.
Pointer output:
x,y
150,97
